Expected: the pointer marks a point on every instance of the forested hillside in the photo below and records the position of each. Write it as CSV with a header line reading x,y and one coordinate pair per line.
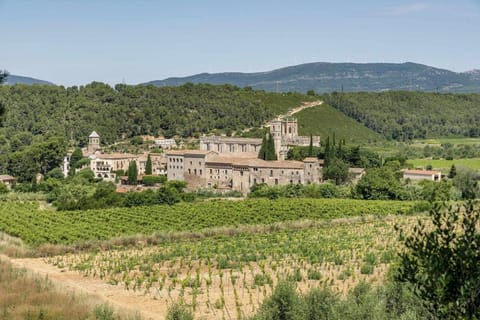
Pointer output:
x,y
403,115
72,113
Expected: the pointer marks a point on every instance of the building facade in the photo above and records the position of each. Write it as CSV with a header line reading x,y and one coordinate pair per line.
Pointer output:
x,y
210,169
284,132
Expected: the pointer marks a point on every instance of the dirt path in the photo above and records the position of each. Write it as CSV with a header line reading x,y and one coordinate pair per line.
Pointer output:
x,y
304,106
118,297
291,112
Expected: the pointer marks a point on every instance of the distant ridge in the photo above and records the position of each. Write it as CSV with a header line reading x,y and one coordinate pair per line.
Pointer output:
x,y
14,79
328,77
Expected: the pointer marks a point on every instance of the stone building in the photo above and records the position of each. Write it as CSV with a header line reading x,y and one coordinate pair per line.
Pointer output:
x,y
418,175
284,132
105,165
238,172
93,143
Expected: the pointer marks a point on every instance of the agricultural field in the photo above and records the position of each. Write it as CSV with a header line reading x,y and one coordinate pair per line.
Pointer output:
x,y
445,165
35,226
323,120
227,277
222,258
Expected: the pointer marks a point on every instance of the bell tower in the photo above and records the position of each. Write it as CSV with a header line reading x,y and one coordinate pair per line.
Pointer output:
x,y
93,142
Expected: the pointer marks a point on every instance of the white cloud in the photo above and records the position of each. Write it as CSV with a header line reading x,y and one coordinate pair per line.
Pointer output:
x,y
407,9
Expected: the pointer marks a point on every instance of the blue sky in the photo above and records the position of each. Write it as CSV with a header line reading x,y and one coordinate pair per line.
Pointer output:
x,y
76,42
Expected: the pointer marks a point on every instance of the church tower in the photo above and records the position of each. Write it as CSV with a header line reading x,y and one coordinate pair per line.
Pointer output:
x,y
93,142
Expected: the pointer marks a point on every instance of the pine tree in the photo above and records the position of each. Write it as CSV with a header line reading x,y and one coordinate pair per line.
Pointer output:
x,y
148,166
132,173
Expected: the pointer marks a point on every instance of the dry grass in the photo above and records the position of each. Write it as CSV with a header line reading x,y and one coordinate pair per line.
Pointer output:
x,y
26,297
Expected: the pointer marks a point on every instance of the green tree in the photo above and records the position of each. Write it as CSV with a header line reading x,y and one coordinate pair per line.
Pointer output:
x,y
310,147
441,261
453,172
3,76
337,170
148,166
132,173
267,150
76,156
466,181
380,184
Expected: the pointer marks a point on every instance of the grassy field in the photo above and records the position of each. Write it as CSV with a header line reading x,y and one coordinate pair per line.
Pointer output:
x,y
453,141
445,165
324,121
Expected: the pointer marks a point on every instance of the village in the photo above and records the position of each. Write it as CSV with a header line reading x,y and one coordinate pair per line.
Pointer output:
x,y
221,163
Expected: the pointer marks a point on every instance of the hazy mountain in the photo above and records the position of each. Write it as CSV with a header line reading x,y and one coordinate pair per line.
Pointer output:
x,y
13,79
328,77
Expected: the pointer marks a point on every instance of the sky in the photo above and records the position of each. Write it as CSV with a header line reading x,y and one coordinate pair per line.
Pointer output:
x,y
113,41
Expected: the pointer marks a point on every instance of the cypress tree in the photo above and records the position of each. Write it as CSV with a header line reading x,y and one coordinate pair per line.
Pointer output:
x,y
270,154
327,152
453,172
148,165
261,153
132,173
267,150
310,147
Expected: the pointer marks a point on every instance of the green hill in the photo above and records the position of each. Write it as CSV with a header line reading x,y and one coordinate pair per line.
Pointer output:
x,y
323,120
404,115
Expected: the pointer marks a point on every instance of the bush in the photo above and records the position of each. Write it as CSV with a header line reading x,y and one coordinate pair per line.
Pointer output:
x,y
179,311
152,180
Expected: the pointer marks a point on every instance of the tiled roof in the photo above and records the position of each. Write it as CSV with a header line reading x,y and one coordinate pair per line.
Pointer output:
x,y
188,152
421,172
116,156
4,177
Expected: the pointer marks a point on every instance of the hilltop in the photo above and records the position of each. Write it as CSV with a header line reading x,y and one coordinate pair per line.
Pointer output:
x,y
349,77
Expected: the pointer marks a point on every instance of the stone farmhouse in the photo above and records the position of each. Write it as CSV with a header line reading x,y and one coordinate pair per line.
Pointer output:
x,y
238,172
7,180
418,175
284,132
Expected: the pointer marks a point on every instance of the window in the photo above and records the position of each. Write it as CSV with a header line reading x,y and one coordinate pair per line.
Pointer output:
x,y
195,171
271,173
189,171
200,171
276,181
211,171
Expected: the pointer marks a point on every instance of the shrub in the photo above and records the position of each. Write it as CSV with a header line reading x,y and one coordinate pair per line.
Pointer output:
x,y
179,311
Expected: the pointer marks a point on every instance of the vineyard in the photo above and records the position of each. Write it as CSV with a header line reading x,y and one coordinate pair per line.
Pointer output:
x,y
35,226
227,277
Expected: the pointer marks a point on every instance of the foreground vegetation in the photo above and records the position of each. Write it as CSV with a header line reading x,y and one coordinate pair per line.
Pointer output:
x,y
27,296
233,273
36,226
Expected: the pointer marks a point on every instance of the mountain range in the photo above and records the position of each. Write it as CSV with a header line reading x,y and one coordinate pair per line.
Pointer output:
x,y
14,79
328,77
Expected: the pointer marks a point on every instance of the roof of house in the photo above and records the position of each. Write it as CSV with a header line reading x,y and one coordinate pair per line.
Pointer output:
x,y
421,172
6,177
313,159
188,152
255,162
115,156
231,139
94,134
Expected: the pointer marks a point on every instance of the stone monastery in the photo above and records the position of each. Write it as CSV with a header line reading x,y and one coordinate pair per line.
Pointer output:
x,y
223,163
229,163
